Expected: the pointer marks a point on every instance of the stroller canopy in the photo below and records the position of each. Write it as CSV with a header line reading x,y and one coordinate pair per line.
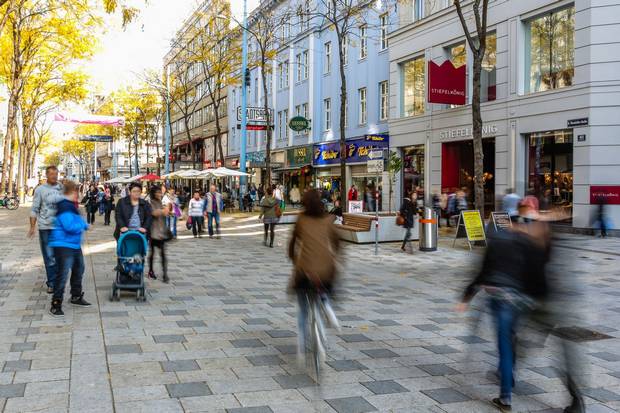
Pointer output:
x,y
131,243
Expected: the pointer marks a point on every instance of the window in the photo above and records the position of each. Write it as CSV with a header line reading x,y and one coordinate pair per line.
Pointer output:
x,y
384,98
363,42
256,89
488,75
327,114
384,31
418,10
413,87
297,110
328,57
286,31
298,63
304,110
550,51
280,129
362,109
345,50
285,121
285,73
304,63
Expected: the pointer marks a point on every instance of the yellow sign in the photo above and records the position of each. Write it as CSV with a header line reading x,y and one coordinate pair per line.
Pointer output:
x,y
473,226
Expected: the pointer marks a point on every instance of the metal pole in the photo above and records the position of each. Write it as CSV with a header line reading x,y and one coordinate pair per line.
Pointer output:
x,y
95,165
377,215
135,143
244,104
168,126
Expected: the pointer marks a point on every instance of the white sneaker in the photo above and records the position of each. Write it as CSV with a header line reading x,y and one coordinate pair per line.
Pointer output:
x,y
331,316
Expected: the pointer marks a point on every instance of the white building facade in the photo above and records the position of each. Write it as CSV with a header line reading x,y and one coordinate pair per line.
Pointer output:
x,y
551,102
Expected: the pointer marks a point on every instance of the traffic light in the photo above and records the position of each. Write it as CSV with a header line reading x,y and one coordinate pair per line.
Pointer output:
x,y
247,78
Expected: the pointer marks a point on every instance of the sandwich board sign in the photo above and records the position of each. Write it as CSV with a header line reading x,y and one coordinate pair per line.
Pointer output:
x,y
501,221
470,226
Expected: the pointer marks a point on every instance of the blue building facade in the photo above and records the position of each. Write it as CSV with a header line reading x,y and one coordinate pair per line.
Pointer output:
x,y
304,80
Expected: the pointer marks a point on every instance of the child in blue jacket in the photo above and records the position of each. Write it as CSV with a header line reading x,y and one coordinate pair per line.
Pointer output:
x,y
66,240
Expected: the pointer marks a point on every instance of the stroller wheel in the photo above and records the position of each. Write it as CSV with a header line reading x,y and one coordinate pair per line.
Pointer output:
x,y
140,295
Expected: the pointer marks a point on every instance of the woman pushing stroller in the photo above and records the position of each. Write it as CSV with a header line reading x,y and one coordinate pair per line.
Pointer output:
x,y
133,212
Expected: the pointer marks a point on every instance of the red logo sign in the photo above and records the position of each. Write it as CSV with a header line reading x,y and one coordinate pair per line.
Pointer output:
x,y
446,84
605,194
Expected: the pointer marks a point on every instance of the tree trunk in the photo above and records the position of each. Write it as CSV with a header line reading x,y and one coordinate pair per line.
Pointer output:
x,y
191,143
477,136
218,137
269,130
8,142
14,144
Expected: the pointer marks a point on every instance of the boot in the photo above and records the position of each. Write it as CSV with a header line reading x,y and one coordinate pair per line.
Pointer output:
x,y
56,309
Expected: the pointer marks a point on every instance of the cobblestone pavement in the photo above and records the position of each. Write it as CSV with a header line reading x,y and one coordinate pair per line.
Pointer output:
x,y
221,336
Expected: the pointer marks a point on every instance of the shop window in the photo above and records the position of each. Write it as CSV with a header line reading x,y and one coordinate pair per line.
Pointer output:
x,y
413,169
550,51
550,168
413,90
488,82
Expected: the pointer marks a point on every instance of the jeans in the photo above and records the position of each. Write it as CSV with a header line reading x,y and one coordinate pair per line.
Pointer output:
x,y
506,316
68,259
270,230
211,216
197,223
172,224
302,320
48,256
106,218
90,215
157,243
407,237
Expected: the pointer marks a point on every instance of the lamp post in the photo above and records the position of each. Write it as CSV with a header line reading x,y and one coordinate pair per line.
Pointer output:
x,y
244,103
168,127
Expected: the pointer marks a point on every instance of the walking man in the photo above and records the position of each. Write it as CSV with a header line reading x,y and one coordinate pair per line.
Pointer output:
x,y
212,210
43,212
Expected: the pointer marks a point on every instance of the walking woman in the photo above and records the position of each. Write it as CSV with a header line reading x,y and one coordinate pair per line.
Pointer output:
x,y
269,214
133,212
407,211
160,232
108,205
194,211
91,203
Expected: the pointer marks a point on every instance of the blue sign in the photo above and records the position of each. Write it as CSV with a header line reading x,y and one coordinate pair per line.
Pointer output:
x,y
357,150
95,138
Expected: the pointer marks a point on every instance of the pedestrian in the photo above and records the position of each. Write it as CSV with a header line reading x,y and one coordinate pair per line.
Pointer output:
x,y
212,210
90,202
100,195
132,212
270,208
43,212
295,196
314,236
437,207
195,213
175,210
260,192
160,232
407,212
510,204
108,205
66,240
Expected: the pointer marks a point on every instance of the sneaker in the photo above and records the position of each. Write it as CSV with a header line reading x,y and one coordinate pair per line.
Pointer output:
x,y
166,279
501,406
50,290
56,309
80,301
152,275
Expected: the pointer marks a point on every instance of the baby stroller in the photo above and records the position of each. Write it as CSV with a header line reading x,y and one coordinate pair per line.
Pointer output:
x,y
131,251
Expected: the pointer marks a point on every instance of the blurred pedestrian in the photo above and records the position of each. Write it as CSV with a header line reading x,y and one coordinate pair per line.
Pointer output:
x,y
132,212
43,212
212,210
66,240
407,212
510,204
108,205
600,219
195,211
314,236
91,203
269,214
160,232
437,207
174,202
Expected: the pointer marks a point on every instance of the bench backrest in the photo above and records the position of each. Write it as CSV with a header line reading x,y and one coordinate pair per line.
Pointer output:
x,y
359,221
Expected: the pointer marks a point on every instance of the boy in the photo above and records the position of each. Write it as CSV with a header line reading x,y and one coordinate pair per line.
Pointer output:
x,y
66,239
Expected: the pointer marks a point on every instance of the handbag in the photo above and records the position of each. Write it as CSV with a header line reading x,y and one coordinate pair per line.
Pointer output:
x,y
278,211
400,220
188,223
176,210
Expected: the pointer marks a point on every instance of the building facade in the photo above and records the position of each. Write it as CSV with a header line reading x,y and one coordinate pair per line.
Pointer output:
x,y
304,80
551,100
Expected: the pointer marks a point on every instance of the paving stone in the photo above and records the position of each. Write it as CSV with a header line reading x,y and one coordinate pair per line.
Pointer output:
x,y
268,360
287,349
15,347
446,395
380,353
607,356
523,388
169,338
110,314
384,387
24,331
427,327
354,338
256,321
236,310
257,409
182,298
179,365
550,372
173,312
193,389
191,323
123,349
441,349
247,343
437,369
351,405
385,323
601,394
473,339
12,390
295,381
346,365
281,333
17,365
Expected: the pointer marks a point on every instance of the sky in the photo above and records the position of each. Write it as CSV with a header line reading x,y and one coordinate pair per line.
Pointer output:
x,y
125,52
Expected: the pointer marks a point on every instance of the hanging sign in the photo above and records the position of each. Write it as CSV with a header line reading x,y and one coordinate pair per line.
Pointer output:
x,y
299,124
90,119
446,83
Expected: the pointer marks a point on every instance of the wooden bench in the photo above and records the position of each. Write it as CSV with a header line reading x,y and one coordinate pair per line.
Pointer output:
x,y
356,223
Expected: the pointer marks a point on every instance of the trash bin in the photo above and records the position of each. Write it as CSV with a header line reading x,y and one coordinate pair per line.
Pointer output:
x,y
428,230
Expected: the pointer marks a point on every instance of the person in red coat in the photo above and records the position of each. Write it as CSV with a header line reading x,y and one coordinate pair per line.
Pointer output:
x,y
352,195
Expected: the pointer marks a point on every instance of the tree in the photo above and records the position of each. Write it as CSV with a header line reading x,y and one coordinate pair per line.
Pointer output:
x,y
80,152
394,166
477,46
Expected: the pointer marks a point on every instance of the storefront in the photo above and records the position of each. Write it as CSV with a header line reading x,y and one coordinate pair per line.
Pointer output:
x,y
326,161
413,170
297,172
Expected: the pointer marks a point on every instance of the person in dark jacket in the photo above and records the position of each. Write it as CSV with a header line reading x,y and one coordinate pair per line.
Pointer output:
x,y
133,212
108,205
66,240
407,212
91,203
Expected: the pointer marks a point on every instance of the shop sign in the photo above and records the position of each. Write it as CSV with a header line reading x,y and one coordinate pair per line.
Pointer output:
x,y
605,194
232,162
356,207
255,114
357,150
581,138
95,138
255,157
577,122
299,156
446,83
299,123
461,133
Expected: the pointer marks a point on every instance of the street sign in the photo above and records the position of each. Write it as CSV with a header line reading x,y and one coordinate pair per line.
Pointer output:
x,y
571,123
375,166
95,138
376,154
255,115
299,124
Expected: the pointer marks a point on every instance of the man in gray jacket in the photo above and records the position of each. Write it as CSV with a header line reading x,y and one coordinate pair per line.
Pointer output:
x,y
43,212
212,209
